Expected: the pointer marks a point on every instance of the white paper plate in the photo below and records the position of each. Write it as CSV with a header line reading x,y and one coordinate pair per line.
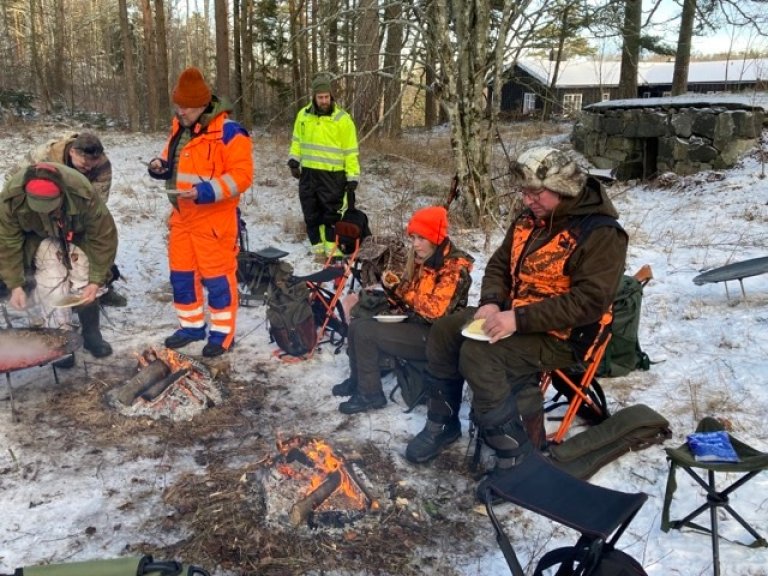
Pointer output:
x,y
474,331
390,318
68,301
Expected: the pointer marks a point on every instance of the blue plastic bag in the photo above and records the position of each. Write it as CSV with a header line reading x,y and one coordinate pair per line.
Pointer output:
x,y
712,447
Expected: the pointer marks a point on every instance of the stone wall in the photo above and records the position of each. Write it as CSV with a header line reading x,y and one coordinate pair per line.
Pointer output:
x,y
641,142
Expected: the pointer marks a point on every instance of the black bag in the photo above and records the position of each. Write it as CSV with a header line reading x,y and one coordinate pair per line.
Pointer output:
x,y
352,228
632,428
410,382
581,560
289,313
623,353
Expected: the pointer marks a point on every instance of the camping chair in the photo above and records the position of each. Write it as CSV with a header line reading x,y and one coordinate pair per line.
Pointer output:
x,y
253,274
595,512
582,386
751,463
327,286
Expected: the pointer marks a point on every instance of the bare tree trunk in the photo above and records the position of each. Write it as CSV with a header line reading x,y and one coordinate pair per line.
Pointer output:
x,y
630,52
237,56
683,54
128,69
248,79
392,62
222,49
366,104
333,37
294,16
163,89
150,65
57,78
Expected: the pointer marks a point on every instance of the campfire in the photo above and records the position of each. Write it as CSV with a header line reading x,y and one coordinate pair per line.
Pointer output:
x,y
167,384
311,483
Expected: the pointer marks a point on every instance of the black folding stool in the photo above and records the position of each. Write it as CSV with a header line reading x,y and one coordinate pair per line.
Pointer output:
x,y
751,463
600,514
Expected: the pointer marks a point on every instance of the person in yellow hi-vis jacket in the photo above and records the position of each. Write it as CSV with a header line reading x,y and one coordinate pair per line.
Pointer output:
x,y
324,158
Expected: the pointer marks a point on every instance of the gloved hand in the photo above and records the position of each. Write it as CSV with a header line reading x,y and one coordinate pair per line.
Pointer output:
x,y
295,167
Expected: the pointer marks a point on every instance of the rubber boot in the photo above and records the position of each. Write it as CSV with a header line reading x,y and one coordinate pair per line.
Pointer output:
x,y
92,340
503,431
443,427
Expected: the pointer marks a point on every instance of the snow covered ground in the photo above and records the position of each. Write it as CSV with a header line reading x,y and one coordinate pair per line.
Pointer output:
x,y
70,496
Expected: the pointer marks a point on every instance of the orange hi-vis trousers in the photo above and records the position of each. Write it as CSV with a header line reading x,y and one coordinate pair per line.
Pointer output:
x,y
202,253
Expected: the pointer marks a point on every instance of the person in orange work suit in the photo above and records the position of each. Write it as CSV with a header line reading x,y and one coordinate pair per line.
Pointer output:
x,y
207,164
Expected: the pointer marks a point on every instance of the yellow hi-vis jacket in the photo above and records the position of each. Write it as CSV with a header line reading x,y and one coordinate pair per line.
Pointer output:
x,y
326,142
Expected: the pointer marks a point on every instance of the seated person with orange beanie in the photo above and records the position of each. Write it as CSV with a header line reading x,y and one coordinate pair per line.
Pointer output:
x,y
436,282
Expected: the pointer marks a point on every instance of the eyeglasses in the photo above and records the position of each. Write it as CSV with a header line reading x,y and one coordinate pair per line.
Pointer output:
x,y
533,193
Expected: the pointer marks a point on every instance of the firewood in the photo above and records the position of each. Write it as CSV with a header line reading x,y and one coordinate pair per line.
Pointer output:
x,y
301,510
148,375
154,390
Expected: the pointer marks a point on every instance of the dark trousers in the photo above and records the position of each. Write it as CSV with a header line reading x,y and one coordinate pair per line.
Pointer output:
x,y
493,371
370,341
321,194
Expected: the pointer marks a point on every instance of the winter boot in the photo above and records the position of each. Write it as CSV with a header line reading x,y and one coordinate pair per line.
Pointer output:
x,y
92,340
503,431
362,403
443,427
347,388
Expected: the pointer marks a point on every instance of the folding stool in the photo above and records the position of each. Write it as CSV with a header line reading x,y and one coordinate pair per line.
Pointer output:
x,y
751,463
600,515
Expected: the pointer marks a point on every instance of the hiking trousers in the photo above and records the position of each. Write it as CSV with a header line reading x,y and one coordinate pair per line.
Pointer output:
x,y
493,371
370,341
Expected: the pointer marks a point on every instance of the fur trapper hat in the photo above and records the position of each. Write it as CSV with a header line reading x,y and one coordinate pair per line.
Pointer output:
x,y
548,168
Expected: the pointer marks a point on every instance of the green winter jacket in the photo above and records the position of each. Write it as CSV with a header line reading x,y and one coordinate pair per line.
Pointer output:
x,y
86,222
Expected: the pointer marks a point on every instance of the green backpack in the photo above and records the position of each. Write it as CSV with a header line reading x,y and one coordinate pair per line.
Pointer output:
x,y
623,354
289,312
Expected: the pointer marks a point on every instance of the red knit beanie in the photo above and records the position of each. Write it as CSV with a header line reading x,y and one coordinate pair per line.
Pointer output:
x,y
430,223
191,91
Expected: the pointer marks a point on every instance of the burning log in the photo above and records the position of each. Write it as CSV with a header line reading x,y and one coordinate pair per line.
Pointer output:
x,y
301,510
157,388
153,372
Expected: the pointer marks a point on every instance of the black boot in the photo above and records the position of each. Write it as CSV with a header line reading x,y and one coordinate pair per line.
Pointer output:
x,y
347,388
502,430
92,340
443,427
362,403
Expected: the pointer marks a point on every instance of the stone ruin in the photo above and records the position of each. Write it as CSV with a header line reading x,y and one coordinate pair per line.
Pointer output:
x,y
643,138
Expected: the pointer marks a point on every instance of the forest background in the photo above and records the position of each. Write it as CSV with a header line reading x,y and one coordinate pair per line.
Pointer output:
x,y
395,64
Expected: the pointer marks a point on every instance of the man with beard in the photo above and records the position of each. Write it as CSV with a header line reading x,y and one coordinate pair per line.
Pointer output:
x,y
324,158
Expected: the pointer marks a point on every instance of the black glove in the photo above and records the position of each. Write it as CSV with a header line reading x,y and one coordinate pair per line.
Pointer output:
x,y
163,172
295,168
350,190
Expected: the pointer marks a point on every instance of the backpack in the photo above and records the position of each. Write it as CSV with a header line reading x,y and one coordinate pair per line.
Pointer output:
x,y
289,312
254,272
623,354
353,226
410,382
578,560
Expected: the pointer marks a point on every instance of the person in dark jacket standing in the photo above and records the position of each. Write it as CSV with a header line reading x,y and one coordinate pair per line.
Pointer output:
x,y
324,158
436,282
52,222
555,274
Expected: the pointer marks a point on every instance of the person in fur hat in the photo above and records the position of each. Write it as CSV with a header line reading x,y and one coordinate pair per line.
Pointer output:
x,y
324,158
549,283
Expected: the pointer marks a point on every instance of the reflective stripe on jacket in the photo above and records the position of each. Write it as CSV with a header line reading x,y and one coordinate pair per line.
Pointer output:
x,y
440,285
326,142
217,160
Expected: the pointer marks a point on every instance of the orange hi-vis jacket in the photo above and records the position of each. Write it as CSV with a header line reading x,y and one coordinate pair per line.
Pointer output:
x,y
202,247
440,285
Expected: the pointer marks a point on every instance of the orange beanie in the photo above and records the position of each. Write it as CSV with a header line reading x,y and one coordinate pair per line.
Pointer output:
x,y
191,91
430,223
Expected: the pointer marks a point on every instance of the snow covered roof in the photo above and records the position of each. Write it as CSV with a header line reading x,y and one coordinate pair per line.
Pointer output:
x,y
590,72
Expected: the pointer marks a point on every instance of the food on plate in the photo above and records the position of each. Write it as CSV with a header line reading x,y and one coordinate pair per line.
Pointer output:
x,y
390,278
476,327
